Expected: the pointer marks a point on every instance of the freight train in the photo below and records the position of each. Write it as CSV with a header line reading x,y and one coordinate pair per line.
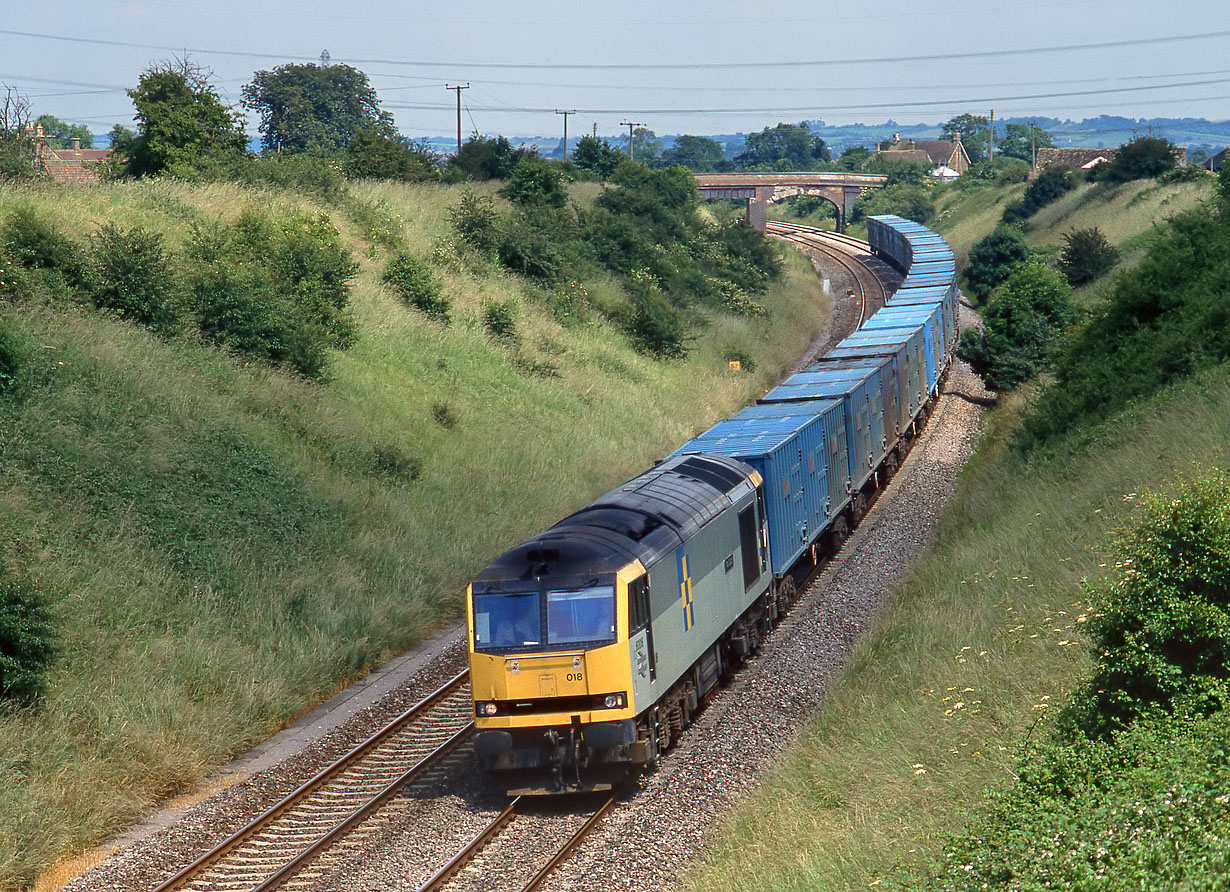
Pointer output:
x,y
593,644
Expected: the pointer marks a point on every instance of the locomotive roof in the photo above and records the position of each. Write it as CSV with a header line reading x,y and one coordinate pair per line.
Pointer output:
x,y
645,519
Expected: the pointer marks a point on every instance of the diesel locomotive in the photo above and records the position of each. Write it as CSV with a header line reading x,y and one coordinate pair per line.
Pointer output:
x,y
593,644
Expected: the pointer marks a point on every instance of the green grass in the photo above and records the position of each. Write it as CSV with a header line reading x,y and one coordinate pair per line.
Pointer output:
x,y
989,619
223,545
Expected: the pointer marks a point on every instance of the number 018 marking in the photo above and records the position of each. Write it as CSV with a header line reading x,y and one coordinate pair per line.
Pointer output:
x,y
575,676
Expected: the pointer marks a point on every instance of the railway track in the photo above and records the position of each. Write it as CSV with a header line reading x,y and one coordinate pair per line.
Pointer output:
x,y
516,841
279,843
851,254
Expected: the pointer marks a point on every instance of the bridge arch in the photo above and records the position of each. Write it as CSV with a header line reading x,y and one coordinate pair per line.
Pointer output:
x,y
762,189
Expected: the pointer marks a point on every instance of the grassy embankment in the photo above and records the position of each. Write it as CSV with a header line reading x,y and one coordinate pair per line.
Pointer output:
x,y
223,544
984,636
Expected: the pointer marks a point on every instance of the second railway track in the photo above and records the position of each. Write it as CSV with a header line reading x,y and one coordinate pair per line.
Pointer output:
x,y
271,849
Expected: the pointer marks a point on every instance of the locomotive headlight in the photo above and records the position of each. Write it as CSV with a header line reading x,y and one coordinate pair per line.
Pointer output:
x,y
613,701
487,708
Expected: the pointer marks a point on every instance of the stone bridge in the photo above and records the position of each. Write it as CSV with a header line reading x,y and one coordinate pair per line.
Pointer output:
x,y
762,189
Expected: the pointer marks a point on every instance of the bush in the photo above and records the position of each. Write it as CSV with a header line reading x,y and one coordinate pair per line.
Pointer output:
x,y
500,319
476,221
535,182
416,285
12,358
131,274
1052,183
1087,255
27,640
992,259
1166,318
277,291
655,327
1143,157
526,249
1161,631
1021,324
34,242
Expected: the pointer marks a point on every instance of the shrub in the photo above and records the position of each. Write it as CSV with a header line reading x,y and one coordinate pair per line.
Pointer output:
x,y
1021,324
34,242
1161,630
1165,318
655,327
27,640
275,291
1143,157
1087,255
476,221
500,319
131,274
1052,183
416,285
992,259
526,249
535,182
12,358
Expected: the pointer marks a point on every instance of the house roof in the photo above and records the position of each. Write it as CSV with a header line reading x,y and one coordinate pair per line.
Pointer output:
x,y
72,165
1074,158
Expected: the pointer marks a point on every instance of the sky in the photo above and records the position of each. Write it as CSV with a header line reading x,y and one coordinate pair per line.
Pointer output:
x,y
671,66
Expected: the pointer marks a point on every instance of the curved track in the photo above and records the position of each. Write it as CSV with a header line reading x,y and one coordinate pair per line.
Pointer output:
x,y
281,841
869,273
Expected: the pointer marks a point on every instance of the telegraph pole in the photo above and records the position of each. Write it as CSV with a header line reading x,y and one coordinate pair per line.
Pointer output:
x,y
566,114
630,125
458,88
992,139
1033,148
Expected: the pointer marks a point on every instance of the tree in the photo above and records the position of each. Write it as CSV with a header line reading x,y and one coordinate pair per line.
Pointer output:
x,y
1015,143
645,146
305,106
375,156
597,156
1021,324
854,158
536,182
975,133
16,146
1143,157
695,152
183,126
793,144
481,158
1087,255
59,133
991,260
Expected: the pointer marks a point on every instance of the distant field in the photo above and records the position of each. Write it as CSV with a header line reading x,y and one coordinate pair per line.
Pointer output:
x,y
223,545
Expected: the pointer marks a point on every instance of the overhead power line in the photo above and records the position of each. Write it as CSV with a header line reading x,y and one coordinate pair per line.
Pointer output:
x,y
665,66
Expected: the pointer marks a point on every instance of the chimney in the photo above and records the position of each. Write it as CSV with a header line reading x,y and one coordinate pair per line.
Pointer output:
x,y
75,143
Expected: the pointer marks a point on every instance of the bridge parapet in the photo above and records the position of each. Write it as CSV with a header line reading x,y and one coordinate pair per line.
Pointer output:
x,y
762,189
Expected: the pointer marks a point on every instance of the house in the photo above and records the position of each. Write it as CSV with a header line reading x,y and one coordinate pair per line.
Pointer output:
x,y
71,165
1077,159
947,158
1215,163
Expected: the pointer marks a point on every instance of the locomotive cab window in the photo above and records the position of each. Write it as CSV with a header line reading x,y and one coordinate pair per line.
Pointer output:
x,y
585,615
507,620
